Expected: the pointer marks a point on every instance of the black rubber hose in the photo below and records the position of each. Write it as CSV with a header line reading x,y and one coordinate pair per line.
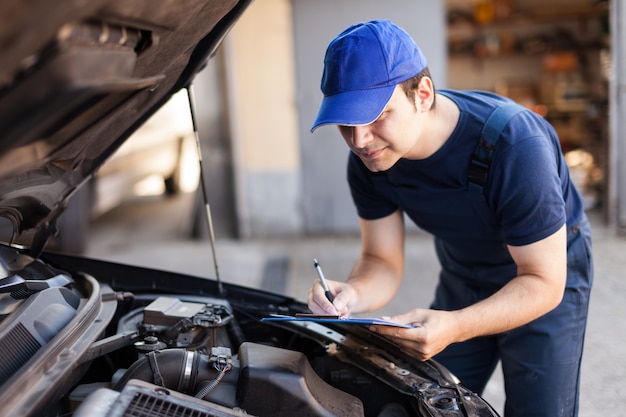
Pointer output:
x,y
176,369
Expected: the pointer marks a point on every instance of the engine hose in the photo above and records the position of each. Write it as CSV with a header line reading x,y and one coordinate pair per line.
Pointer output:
x,y
176,369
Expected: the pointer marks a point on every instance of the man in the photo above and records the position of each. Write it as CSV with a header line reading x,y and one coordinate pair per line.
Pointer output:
x,y
509,227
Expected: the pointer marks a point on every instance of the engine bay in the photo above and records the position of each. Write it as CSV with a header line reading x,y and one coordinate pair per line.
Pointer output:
x,y
117,346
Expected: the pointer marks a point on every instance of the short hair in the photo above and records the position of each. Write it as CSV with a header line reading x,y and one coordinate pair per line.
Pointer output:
x,y
410,85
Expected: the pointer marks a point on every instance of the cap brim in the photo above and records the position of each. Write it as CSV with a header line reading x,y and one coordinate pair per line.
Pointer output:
x,y
353,108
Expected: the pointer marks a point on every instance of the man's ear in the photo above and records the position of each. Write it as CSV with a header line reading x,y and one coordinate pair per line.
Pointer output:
x,y
424,94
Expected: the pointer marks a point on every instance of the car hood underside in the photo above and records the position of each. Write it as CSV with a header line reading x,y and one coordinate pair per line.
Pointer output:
x,y
77,78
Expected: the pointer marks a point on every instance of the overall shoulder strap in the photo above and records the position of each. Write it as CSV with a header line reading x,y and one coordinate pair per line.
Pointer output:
x,y
481,158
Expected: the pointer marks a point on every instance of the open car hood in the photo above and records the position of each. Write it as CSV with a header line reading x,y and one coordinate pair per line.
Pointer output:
x,y
78,78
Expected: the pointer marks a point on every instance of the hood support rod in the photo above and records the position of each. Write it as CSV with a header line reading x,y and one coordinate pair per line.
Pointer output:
x,y
205,199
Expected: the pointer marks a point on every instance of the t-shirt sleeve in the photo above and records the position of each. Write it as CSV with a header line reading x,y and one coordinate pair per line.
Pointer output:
x,y
526,191
369,199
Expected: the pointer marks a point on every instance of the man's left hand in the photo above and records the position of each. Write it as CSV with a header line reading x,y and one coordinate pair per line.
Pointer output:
x,y
434,330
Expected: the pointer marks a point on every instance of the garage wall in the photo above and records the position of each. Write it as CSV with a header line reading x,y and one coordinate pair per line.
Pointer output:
x,y
263,120
617,206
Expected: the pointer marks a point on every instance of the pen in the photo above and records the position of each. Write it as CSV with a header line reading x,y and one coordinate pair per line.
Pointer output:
x,y
323,280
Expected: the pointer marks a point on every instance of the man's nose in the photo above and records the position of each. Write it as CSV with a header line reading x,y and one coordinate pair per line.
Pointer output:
x,y
361,136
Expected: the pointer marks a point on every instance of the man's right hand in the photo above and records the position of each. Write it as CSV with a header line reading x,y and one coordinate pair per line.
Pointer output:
x,y
344,298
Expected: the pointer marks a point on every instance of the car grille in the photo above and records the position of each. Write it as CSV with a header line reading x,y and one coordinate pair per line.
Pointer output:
x,y
144,405
17,347
34,323
142,399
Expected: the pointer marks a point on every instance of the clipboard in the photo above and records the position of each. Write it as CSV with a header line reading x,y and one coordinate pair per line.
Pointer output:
x,y
318,318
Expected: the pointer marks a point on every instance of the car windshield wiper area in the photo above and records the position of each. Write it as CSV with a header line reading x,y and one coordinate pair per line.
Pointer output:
x,y
22,275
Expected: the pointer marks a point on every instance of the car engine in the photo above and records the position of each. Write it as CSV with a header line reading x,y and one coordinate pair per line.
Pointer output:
x,y
115,346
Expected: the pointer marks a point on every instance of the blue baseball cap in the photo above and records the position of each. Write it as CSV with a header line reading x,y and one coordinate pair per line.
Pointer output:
x,y
362,67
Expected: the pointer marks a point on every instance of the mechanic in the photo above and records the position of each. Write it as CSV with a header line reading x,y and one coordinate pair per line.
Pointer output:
x,y
509,227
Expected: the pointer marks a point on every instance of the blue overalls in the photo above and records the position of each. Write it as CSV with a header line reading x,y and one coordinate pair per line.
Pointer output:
x,y
540,360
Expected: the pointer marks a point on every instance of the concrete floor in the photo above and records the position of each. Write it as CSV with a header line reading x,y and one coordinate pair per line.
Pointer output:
x,y
154,232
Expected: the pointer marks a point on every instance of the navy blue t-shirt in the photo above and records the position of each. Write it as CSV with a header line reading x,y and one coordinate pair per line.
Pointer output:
x,y
528,195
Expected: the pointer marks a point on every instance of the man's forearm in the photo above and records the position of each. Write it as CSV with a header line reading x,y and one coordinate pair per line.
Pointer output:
x,y
522,300
375,283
